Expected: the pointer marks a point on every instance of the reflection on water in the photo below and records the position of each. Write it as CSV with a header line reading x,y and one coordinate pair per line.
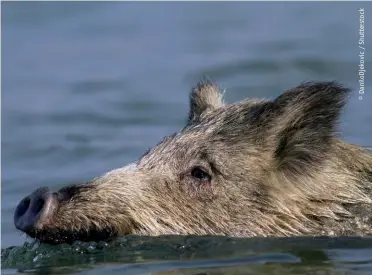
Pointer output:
x,y
193,254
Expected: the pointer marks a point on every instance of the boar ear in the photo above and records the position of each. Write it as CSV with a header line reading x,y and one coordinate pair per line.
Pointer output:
x,y
308,118
204,96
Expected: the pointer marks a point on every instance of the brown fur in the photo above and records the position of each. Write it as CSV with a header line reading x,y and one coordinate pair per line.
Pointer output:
x,y
276,167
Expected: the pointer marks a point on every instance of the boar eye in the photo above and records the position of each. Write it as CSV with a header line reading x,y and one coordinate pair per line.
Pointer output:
x,y
200,174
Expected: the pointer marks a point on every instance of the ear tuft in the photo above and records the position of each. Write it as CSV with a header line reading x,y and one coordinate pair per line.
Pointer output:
x,y
308,119
206,95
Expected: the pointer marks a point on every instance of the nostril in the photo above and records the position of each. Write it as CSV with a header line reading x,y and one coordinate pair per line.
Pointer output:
x,y
22,208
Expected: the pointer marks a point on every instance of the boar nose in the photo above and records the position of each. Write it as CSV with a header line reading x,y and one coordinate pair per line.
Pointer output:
x,y
35,210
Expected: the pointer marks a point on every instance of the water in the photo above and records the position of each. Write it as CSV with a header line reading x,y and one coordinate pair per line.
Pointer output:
x,y
88,87
195,255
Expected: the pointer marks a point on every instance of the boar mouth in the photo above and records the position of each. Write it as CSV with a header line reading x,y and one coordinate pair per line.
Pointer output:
x,y
55,236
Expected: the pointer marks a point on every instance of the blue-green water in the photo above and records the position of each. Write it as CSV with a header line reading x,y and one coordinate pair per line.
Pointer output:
x,y
88,87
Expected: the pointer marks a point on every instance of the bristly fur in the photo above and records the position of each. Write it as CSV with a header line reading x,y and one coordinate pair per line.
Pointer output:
x,y
275,167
